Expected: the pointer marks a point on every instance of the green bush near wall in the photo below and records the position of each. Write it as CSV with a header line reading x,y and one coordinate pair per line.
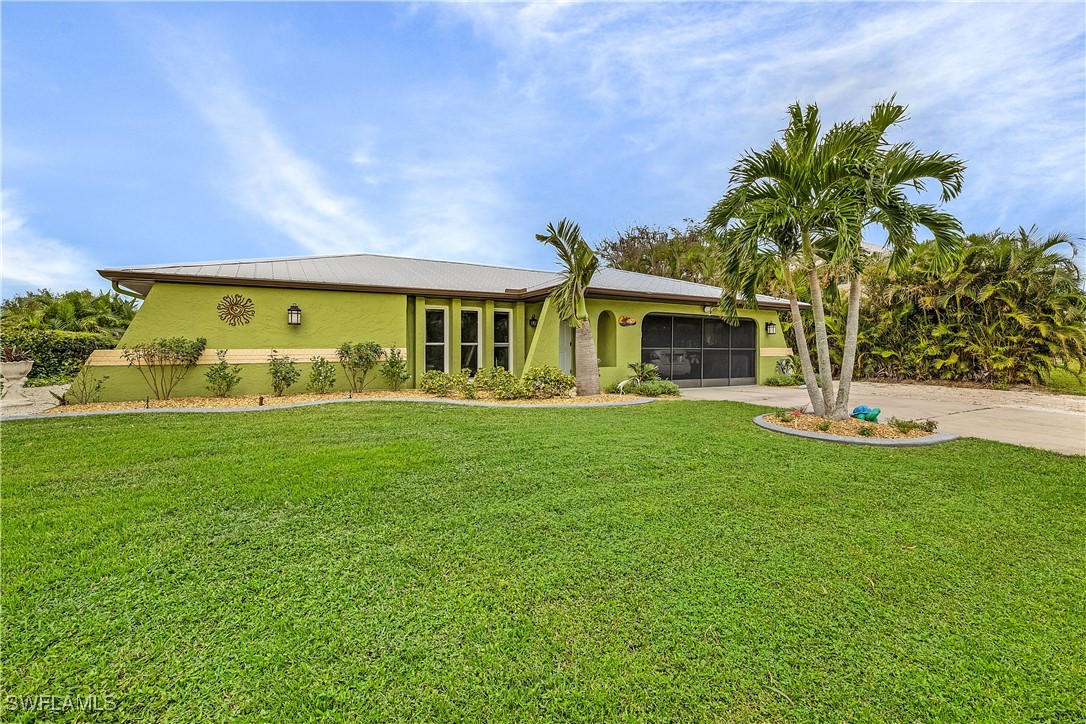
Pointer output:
x,y
57,354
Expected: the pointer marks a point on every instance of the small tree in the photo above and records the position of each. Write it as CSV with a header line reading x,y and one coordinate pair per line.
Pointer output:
x,y
283,372
358,360
394,370
222,377
322,375
163,362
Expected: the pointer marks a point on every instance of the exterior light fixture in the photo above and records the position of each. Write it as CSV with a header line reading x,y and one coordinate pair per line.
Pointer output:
x,y
534,321
708,308
770,328
294,315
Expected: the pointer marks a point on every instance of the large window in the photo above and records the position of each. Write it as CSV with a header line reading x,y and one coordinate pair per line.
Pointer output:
x,y
469,340
436,338
695,351
503,355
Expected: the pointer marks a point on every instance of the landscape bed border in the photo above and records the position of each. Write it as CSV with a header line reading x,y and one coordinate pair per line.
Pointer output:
x,y
933,439
290,405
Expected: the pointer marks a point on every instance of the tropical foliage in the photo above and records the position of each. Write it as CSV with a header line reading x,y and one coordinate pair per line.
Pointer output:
x,y
1010,310
222,377
579,264
800,208
673,252
57,355
358,360
283,372
75,311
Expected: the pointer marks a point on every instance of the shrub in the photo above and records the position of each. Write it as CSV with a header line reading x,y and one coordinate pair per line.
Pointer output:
x,y
644,372
164,361
394,370
358,360
547,381
903,426
928,425
824,425
446,384
780,380
223,376
436,382
283,372
322,375
867,431
57,355
501,383
657,388
83,390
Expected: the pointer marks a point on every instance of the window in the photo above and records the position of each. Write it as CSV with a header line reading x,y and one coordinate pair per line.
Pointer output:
x,y
435,340
469,340
503,356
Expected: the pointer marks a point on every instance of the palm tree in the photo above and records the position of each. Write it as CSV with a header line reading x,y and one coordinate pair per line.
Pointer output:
x,y
801,206
885,173
781,206
579,264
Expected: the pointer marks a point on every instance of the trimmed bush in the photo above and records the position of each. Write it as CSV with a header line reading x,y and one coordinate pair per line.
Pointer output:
x,y
57,355
223,376
394,369
283,372
322,375
500,382
358,360
547,381
656,388
164,361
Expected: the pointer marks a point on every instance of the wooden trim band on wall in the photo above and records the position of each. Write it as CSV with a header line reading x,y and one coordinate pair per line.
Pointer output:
x,y
775,352
114,357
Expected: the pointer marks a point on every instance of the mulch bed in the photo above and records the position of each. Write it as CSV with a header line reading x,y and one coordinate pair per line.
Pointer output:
x,y
180,403
848,428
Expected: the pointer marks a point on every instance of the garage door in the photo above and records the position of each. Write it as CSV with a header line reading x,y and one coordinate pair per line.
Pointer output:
x,y
700,351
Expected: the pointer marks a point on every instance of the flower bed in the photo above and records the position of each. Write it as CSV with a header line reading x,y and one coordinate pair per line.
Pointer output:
x,y
845,428
240,401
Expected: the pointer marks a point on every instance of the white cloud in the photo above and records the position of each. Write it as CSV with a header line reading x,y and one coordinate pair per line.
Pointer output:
x,y
31,260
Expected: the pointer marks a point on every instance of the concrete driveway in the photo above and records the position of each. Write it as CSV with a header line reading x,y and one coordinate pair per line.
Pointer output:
x,y
1033,419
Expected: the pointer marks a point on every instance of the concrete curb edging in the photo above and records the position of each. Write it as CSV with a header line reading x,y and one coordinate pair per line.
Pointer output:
x,y
925,441
440,401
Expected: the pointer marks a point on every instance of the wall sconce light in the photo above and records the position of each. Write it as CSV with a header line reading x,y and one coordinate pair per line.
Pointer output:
x,y
533,321
708,309
294,315
770,328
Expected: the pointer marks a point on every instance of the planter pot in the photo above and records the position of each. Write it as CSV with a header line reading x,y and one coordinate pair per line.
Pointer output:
x,y
14,374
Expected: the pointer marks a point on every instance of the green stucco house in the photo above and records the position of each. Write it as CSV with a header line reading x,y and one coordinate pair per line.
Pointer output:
x,y
442,315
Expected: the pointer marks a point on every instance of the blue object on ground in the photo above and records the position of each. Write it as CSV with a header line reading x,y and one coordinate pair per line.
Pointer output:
x,y
865,413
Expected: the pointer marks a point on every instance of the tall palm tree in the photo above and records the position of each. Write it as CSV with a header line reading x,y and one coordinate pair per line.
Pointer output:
x,y
579,264
885,173
781,205
805,202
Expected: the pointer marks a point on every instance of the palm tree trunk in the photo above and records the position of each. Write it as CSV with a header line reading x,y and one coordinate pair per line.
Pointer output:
x,y
818,405
588,366
848,355
822,344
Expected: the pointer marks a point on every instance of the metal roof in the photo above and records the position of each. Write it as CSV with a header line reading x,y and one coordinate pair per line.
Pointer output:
x,y
375,272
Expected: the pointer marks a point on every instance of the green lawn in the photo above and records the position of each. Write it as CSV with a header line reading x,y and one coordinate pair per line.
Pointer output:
x,y
661,562
1065,381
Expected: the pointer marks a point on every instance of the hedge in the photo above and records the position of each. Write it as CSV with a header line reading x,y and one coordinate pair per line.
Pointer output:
x,y
56,353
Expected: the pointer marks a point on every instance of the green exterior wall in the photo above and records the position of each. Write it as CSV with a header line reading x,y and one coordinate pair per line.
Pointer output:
x,y
330,318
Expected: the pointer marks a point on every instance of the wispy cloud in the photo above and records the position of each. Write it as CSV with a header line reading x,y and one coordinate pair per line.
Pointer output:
x,y
31,260
1000,84
271,180
444,207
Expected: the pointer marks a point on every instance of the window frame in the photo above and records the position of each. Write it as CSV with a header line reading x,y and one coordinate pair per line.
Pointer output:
x,y
494,337
478,343
445,334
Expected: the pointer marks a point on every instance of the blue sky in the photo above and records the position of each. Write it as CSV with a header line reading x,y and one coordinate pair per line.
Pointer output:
x,y
148,133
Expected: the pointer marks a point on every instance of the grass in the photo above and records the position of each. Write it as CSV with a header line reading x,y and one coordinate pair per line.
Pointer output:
x,y
662,562
1065,381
